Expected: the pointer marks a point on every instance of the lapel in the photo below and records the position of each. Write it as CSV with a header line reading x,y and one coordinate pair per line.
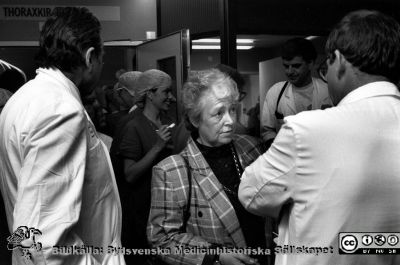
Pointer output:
x,y
213,191
315,96
321,97
241,152
289,101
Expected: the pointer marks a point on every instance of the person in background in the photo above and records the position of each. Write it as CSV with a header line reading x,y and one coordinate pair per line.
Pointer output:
x,y
12,78
97,117
128,83
145,141
337,170
4,97
127,90
253,124
104,92
240,82
55,176
194,199
94,109
299,93
128,87
122,100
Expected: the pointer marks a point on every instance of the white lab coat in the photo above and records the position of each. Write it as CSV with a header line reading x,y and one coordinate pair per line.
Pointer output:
x,y
330,171
269,124
56,174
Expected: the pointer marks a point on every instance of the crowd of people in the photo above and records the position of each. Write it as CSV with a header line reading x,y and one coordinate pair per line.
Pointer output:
x,y
107,168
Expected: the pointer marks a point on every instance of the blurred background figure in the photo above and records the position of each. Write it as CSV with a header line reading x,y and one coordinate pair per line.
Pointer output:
x,y
299,93
11,79
119,72
4,97
145,140
94,109
102,91
121,100
253,123
128,82
240,82
127,85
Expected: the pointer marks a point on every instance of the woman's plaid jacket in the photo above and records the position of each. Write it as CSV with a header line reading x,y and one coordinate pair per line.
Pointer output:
x,y
212,220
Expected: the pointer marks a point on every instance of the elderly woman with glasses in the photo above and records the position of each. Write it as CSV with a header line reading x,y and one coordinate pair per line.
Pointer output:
x,y
194,201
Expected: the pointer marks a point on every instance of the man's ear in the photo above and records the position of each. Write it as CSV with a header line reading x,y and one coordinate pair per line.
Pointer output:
x,y
342,64
149,94
193,122
89,56
311,64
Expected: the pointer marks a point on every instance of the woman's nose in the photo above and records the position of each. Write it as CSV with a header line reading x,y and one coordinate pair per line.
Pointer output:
x,y
230,118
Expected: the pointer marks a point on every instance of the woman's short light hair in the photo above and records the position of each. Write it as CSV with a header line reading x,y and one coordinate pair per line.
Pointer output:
x,y
198,83
149,80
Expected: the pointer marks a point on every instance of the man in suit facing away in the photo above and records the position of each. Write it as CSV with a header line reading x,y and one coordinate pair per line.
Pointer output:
x,y
336,170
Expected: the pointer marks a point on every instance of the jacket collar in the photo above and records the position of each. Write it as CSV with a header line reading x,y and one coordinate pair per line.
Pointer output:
x,y
57,76
195,157
374,89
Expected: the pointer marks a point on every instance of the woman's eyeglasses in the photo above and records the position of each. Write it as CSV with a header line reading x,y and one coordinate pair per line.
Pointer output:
x,y
242,95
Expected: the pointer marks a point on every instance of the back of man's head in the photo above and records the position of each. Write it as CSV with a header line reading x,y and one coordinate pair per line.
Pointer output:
x,y
298,47
232,73
370,41
65,36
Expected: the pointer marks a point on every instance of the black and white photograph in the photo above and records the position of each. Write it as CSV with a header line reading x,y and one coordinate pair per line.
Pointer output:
x,y
199,132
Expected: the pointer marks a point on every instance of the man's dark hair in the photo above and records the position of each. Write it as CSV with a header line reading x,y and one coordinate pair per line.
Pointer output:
x,y
298,47
65,36
370,41
232,73
236,76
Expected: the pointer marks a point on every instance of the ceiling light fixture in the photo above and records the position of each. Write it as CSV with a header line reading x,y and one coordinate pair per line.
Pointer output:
x,y
218,47
244,41
206,47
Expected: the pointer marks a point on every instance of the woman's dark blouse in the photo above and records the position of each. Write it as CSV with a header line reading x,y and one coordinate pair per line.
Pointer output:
x,y
222,164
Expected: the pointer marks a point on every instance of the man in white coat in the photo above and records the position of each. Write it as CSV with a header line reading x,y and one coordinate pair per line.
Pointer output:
x,y
301,92
337,170
59,190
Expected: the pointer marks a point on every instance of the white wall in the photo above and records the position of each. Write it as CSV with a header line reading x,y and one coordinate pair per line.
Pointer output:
x,y
271,71
252,89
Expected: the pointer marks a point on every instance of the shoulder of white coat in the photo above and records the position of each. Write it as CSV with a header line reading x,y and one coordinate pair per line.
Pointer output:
x,y
276,87
36,105
34,91
314,120
323,87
